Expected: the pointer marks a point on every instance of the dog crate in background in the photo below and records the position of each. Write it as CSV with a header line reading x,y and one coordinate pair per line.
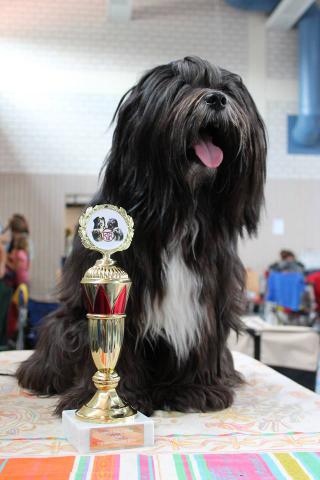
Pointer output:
x,y
291,350
36,313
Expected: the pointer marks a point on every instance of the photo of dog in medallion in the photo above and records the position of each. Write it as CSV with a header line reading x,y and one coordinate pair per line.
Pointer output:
x,y
188,164
106,231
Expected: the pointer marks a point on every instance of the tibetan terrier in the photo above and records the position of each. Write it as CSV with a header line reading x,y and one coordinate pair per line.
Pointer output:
x,y
187,162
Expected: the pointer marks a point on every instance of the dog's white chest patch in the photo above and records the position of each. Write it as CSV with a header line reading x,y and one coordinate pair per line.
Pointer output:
x,y
179,317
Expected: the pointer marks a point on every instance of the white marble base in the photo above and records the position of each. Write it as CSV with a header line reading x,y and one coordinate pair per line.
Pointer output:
x,y
89,437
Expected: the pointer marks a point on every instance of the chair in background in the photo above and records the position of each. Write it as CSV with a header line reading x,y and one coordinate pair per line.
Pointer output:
x,y
17,317
25,316
37,310
20,299
5,301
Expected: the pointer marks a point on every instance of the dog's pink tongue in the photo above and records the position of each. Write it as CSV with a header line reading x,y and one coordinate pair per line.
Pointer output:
x,y
209,153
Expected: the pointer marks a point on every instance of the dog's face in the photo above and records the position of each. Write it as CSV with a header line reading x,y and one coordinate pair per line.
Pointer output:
x,y
189,126
112,223
99,222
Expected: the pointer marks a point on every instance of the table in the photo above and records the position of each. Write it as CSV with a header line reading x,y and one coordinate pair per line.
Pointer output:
x,y
271,420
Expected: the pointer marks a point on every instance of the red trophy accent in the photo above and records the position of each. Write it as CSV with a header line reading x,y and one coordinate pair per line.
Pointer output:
x,y
121,302
101,303
97,299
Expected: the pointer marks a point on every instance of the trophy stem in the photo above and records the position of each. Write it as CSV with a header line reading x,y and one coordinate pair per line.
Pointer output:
x,y
106,335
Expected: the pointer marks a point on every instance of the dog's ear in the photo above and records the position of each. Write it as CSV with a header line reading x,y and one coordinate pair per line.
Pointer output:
x,y
255,168
247,172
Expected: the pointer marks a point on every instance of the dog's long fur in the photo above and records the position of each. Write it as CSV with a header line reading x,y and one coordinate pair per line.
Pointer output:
x,y
188,280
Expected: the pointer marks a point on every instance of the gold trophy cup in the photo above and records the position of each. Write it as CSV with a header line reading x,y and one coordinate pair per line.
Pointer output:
x,y
106,288
106,422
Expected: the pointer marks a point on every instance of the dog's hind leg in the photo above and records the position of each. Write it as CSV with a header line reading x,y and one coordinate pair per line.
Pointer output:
x,y
61,349
81,391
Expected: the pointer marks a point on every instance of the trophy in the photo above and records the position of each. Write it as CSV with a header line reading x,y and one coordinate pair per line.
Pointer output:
x,y
106,421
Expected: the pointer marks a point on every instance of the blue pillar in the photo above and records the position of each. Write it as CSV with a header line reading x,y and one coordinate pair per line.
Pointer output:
x,y
306,131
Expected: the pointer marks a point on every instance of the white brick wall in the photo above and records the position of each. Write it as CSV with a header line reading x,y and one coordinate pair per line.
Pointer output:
x,y
65,66
282,54
280,164
76,65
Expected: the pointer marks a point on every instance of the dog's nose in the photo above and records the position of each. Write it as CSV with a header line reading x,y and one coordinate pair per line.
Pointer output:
x,y
216,100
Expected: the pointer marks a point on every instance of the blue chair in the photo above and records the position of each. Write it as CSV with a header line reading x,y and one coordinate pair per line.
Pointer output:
x,y
36,313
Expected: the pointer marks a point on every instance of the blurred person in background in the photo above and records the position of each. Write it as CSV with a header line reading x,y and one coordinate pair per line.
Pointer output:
x,y
287,263
3,253
17,269
18,262
18,227
5,290
18,252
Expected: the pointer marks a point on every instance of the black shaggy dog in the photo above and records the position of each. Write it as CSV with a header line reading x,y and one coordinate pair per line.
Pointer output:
x,y
188,164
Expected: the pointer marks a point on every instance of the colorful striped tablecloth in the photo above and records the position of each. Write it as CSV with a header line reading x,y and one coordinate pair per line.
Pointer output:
x,y
267,433
250,466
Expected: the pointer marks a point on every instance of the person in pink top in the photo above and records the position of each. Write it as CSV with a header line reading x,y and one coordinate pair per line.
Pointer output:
x,y
17,273
18,263
3,259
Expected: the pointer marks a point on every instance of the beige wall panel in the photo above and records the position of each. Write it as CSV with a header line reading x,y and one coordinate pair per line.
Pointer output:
x,y
297,202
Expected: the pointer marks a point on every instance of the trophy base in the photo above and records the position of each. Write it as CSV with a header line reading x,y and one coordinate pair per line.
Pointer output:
x,y
105,407
132,432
